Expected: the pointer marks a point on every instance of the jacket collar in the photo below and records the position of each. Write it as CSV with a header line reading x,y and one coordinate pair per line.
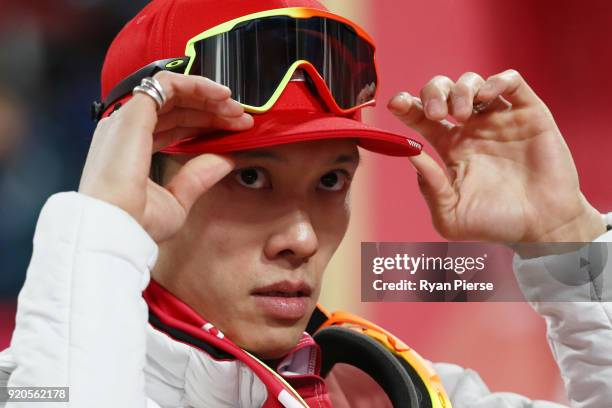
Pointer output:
x,y
193,363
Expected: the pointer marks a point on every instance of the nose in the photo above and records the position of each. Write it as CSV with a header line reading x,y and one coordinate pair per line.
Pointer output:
x,y
294,241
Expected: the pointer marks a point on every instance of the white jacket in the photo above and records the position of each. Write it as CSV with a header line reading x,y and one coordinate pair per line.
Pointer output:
x,y
82,322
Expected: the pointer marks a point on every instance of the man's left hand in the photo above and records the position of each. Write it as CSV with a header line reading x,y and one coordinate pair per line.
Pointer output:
x,y
509,174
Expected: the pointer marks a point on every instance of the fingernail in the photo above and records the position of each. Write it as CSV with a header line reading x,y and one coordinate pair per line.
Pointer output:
x,y
434,107
250,119
405,96
459,103
223,164
486,88
230,109
397,104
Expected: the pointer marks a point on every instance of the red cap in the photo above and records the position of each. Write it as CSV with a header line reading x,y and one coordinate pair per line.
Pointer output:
x,y
163,28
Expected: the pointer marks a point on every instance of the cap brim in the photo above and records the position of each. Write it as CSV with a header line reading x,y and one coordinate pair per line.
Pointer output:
x,y
298,126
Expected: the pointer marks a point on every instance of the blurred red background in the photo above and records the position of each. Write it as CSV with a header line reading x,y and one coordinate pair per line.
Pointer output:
x,y
563,50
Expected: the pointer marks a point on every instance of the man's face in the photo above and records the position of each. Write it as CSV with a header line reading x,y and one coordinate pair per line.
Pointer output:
x,y
251,255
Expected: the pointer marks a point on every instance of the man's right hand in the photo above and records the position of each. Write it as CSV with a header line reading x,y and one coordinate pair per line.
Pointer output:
x,y
119,159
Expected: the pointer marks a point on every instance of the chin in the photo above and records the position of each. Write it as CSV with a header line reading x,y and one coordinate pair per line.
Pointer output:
x,y
273,342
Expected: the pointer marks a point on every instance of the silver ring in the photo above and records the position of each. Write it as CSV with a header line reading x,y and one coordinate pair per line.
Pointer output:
x,y
481,106
156,85
151,92
152,87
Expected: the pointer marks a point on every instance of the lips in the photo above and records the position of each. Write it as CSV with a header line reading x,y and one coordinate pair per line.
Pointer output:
x,y
285,289
286,300
280,294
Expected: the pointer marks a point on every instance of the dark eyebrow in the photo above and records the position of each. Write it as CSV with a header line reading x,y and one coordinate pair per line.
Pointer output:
x,y
348,158
260,154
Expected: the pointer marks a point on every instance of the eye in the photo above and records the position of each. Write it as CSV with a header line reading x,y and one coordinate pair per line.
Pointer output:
x,y
334,180
252,177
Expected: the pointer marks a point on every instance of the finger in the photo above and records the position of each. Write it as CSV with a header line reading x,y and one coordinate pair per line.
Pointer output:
x,y
190,91
409,110
434,184
462,95
434,96
498,104
511,86
183,117
139,115
169,137
226,107
197,176
200,126
124,137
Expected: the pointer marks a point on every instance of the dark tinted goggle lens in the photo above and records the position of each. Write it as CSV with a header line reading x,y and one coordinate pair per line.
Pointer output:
x,y
253,58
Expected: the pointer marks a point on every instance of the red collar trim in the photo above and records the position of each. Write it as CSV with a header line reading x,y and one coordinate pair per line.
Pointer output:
x,y
172,312
165,302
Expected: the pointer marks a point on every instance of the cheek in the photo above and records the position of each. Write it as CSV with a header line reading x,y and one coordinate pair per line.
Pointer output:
x,y
222,247
222,243
332,220
221,265
222,225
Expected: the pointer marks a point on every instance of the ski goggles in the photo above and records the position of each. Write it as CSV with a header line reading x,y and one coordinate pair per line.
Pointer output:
x,y
257,55
429,389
